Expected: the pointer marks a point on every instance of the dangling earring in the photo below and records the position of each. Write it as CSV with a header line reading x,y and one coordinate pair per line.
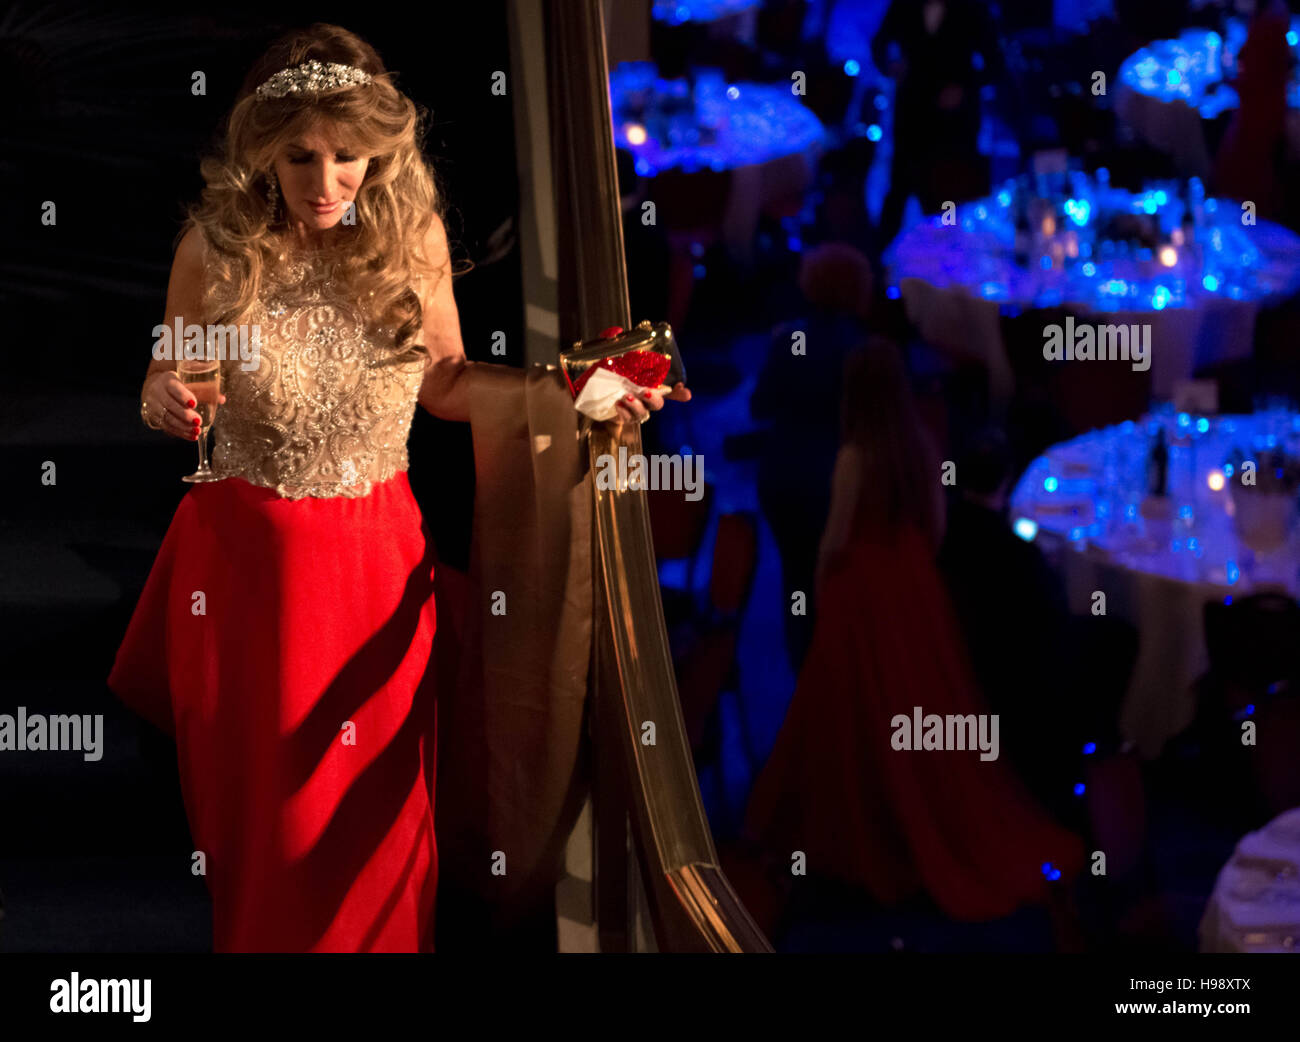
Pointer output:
x,y
273,196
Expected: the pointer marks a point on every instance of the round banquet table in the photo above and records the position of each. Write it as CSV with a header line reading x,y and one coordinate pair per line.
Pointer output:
x,y
1083,501
761,133
1255,906
957,279
1169,87
681,12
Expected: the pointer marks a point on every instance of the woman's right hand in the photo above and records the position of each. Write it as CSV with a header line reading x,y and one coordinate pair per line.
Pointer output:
x,y
166,396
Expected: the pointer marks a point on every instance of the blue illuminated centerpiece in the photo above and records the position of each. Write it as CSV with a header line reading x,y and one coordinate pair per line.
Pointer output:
x,y
679,12
1228,485
711,125
1195,68
1072,239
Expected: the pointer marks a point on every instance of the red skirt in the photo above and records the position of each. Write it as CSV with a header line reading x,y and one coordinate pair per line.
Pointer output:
x,y
898,822
286,645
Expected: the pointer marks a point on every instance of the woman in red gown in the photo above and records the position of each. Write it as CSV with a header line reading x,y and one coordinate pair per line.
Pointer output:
x,y
284,635
1248,165
895,822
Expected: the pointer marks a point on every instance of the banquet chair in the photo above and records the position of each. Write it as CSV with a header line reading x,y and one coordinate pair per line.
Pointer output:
x,y
1033,421
1253,644
1254,652
708,666
1092,395
690,207
1068,398
677,525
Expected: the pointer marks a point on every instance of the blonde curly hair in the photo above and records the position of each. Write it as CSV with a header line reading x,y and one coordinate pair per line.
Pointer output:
x,y
395,205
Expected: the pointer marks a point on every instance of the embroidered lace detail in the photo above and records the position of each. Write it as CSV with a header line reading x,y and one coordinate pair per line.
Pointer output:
x,y
323,412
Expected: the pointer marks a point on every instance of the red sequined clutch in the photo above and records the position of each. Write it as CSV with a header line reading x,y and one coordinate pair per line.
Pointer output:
x,y
646,355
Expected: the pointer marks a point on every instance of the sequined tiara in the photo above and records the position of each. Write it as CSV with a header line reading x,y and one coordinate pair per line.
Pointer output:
x,y
312,77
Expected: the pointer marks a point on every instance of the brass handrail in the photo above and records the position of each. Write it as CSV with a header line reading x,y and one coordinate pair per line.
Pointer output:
x,y
693,906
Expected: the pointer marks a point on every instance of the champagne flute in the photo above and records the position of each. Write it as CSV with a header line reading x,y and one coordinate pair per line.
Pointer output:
x,y
202,377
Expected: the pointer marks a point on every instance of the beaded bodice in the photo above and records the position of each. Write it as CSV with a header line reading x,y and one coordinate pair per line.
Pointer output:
x,y
323,413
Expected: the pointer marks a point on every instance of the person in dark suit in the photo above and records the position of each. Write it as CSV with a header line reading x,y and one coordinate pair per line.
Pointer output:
x,y
798,394
940,52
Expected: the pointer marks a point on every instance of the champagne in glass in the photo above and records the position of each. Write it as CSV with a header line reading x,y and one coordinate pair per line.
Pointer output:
x,y
202,377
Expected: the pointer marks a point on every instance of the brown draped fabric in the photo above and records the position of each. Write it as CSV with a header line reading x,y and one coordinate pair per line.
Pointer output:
x,y
513,755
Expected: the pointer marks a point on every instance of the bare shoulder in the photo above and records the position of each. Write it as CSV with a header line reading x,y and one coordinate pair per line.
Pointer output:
x,y
190,250
850,458
185,288
436,253
187,266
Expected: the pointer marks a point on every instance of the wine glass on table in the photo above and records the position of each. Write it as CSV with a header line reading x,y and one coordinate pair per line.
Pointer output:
x,y
202,378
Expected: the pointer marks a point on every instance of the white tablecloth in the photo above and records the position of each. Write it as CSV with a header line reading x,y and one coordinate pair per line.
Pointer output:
x,y
1255,906
1162,591
955,280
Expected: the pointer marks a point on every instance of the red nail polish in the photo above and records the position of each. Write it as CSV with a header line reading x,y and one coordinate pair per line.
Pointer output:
x,y
630,398
192,403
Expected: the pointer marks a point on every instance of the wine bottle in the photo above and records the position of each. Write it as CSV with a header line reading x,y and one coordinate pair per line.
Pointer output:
x,y
1158,466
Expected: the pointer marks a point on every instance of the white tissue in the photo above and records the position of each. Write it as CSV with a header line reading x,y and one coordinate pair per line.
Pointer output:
x,y
602,392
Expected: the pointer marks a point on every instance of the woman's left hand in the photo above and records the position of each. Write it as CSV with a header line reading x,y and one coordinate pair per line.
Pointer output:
x,y
631,407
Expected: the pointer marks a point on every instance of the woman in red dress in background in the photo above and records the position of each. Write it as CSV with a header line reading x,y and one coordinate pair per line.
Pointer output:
x,y
284,635
894,822
1248,164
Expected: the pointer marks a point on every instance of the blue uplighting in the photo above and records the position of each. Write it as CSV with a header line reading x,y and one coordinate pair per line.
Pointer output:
x,y
1250,709
1051,871
1089,748
851,67
1160,298
1210,283
874,133
1079,788
1233,573
1292,37
1050,484
893,293
1184,419
727,126
1026,528
1202,425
